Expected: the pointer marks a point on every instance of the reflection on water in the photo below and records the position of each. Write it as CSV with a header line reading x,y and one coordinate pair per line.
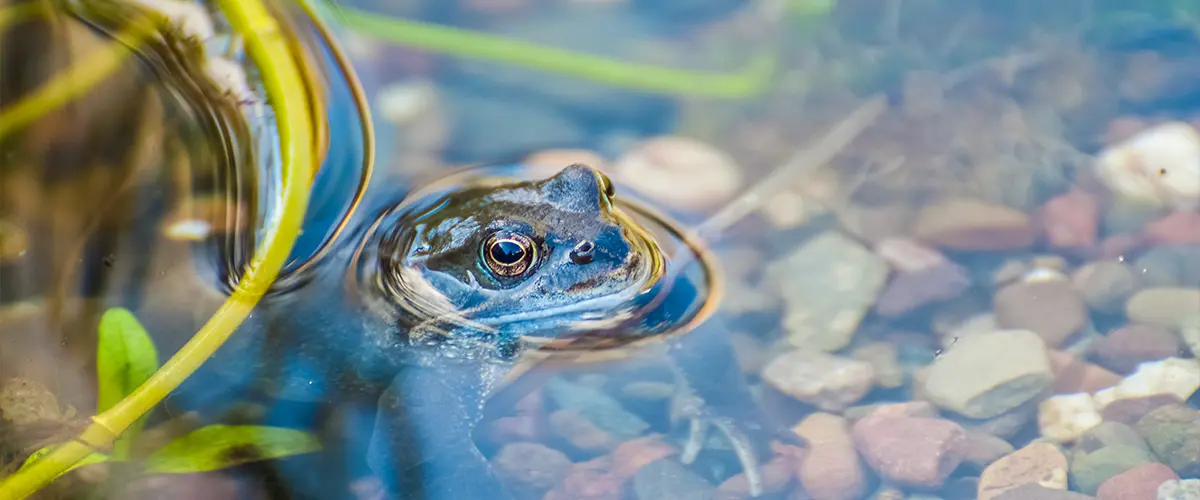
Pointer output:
x,y
992,292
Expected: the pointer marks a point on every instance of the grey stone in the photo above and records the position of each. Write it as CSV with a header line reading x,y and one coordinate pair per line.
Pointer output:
x,y
667,478
986,374
603,411
828,284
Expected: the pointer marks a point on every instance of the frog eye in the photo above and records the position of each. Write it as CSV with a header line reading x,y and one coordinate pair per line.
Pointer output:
x,y
509,254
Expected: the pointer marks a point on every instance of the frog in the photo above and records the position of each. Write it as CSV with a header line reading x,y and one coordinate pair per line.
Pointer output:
x,y
422,314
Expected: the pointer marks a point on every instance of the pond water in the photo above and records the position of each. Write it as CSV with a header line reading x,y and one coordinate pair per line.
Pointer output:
x,y
956,249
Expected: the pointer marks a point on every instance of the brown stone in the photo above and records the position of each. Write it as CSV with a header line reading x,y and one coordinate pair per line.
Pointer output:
x,y
591,480
1129,411
1052,309
973,225
1036,464
831,470
637,453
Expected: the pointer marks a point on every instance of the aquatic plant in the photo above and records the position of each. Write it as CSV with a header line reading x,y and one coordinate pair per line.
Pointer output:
x,y
125,359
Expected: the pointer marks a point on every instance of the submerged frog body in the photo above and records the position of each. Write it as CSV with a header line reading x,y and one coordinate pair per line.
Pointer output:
x,y
420,315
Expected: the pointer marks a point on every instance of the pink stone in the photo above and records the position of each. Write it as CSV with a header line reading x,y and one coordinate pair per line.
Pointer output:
x,y
1123,349
906,255
1138,483
911,451
1072,375
1178,227
1071,220
1118,246
908,291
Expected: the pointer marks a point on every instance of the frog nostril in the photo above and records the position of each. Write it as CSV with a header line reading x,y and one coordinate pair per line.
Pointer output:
x,y
583,252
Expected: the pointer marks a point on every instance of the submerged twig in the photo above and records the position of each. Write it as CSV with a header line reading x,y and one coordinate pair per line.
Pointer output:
x,y
822,151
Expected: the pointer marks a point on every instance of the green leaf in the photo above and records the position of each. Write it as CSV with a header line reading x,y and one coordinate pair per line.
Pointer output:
x,y
219,446
125,358
93,458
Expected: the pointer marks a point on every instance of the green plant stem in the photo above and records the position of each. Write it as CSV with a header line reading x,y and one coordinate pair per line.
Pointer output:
x,y
750,81
285,89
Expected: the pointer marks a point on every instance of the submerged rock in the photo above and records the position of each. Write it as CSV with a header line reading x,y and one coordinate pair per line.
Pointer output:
x,y
986,374
828,285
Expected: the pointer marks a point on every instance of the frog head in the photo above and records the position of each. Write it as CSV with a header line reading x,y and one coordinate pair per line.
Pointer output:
x,y
516,258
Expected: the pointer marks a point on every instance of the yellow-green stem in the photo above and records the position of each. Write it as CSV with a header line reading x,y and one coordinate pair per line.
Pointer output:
x,y
284,83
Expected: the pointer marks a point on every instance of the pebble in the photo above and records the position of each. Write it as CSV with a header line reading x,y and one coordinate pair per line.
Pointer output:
x,y
777,474
1158,166
1123,349
983,449
591,480
14,241
1179,377
973,225
831,470
403,103
1066,417
559,158
598,408
681,172
1169,266
634,454
986,374
1090,470
831,383
1073,375
1035,492
1105,285
885,363
1173,433
1037,463
1052,309
1139,483
580,432
530,469
1111,434
1118,246
27,402
911,451
911,290
1186,489
1071,220
906,409
1178,227
829,283
1129,410
670,479
1168,307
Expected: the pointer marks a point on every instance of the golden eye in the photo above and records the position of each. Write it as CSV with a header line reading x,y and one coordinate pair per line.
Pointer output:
x,y
509,255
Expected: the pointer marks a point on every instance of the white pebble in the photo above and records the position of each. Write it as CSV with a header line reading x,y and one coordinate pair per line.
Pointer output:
x,y
1159,166
681,172
1177,376
402,103
1066,417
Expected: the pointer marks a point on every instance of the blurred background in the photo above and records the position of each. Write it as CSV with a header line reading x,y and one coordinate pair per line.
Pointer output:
x,y
991,289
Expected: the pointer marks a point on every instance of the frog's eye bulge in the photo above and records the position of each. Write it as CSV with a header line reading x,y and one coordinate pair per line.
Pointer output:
x,y
509,255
